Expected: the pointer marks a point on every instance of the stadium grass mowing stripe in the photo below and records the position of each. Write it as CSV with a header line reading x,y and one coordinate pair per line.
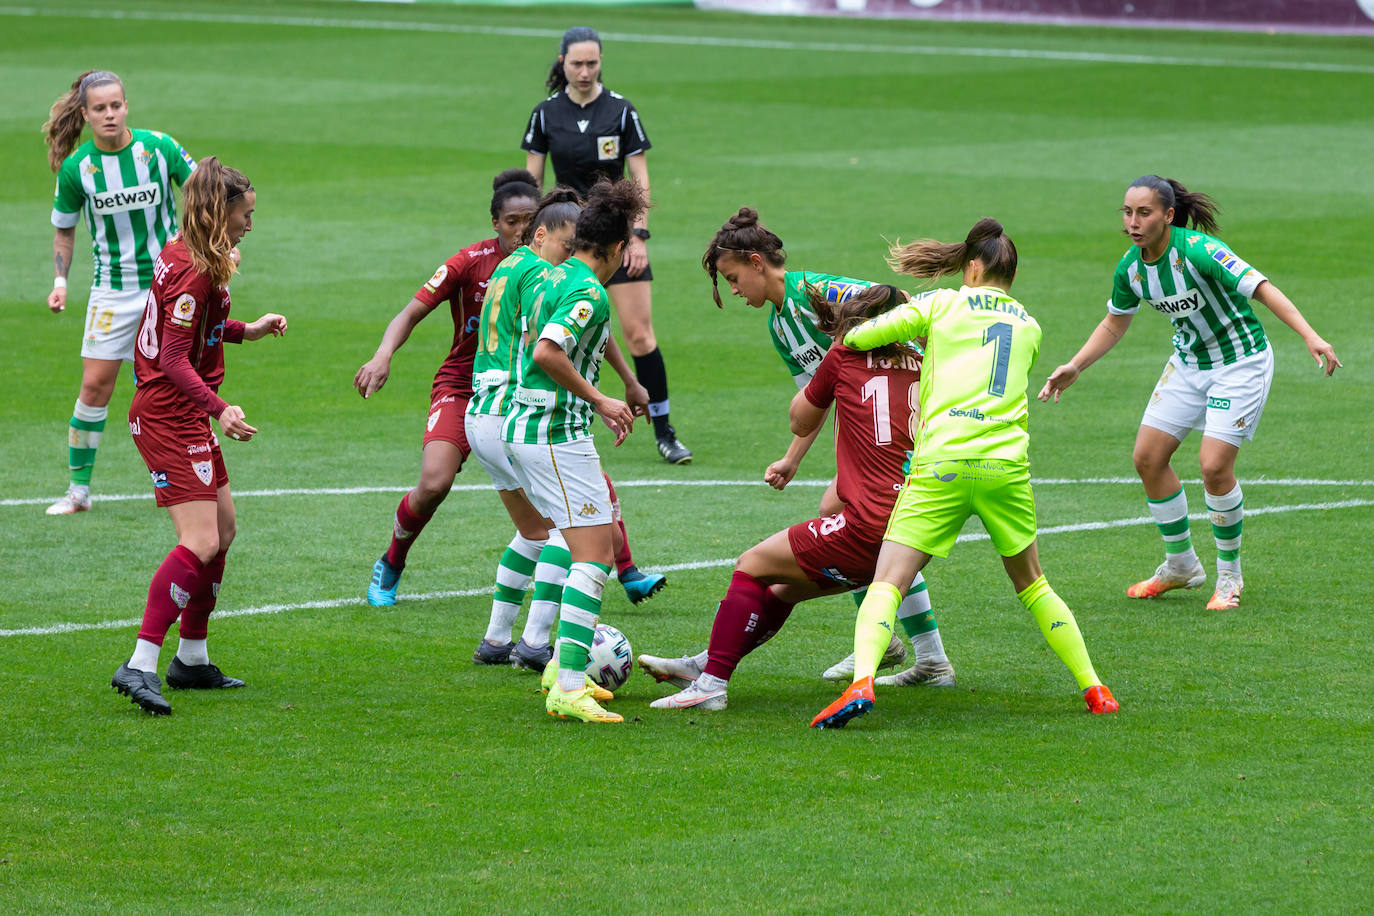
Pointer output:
x,y
479,488
59,628
757,44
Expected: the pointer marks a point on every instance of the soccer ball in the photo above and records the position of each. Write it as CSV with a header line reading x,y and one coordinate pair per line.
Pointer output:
x,y
609,663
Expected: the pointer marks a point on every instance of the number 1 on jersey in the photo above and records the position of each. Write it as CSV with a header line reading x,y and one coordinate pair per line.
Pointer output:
x,y
999,333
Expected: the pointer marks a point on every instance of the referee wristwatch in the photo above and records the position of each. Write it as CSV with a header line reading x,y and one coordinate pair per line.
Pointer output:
x,y
641,233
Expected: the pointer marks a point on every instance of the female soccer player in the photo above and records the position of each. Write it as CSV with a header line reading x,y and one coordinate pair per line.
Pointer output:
x,y
538,551
971,450
462,282
592,133
753,263
179,364
549,430
1216,380
874,394
121,180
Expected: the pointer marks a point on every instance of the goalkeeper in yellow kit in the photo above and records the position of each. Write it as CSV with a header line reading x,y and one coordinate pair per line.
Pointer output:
x,y
970,455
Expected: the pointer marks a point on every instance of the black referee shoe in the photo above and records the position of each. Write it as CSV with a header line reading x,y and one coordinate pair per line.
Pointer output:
x,y
182,676
673,451
142,688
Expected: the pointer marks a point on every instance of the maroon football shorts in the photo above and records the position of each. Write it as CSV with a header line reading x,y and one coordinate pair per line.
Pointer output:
x,y
183,456
446,414
833,553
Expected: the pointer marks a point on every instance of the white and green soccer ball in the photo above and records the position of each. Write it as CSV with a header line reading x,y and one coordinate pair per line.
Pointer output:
x,y
610,661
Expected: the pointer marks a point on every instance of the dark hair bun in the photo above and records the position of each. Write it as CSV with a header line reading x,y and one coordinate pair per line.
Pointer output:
x,y
986,228
561,195
510,176
746,217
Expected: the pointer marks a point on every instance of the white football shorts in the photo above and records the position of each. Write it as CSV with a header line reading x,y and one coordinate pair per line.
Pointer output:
x,y
565,482
113,317
1225,402
484,437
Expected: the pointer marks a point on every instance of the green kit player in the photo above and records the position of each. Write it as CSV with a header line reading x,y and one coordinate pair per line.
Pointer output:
x,y
753,263
121,182
971,451
549,431
1217,379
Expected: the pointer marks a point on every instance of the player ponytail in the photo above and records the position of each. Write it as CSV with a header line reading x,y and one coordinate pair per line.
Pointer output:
x,y
605,221
1188,206
741,236
558,208
207,196
512,184
839,318
558,79
64,124
985,243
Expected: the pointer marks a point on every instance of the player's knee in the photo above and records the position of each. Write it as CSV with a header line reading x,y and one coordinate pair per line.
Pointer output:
x,y
204,544
1148,462
640,339
1218,476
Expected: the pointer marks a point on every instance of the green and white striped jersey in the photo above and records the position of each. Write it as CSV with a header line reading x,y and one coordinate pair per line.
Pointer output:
x,y
128,201
792,325
576,315
1204,289
512,295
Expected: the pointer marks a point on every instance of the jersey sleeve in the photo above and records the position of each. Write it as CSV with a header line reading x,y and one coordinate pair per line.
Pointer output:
x,y
903,323
183,298
68,196
1125,298
567,323
1213,259
820,391
180,165
633,139
536,140
443,284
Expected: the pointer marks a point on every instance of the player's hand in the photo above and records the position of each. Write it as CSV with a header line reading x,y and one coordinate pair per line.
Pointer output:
x,y
271,323
780,473
1319,349
1059,379
232,424
372,376
617,417
636,256
57,299
637,396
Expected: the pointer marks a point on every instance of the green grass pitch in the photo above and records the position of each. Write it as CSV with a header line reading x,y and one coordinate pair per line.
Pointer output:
x,y
370,766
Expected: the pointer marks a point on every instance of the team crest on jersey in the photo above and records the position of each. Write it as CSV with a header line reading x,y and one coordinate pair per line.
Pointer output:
x,y
204,470
437,280
184,310
143,155
607,148
433,419
582,313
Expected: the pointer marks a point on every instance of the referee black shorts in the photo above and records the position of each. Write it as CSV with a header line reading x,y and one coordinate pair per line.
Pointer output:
x,y
620,276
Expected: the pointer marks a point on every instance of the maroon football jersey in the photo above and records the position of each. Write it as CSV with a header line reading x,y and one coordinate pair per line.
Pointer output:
x,y
462,280
877,406
183,306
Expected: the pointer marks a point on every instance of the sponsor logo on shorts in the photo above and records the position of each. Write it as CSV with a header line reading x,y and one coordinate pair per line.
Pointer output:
x,y
588,510
1057,624
180,596
1240,424
205,470
159,479
136,426
197,449
607,148
834,575
1219,403
139,197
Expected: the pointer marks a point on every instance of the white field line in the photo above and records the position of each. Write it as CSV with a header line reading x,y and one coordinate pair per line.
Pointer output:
x,y
758,44
675,567
482,487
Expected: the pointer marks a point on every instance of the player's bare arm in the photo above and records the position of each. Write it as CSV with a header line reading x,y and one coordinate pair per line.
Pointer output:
x,y
1283,308
63,244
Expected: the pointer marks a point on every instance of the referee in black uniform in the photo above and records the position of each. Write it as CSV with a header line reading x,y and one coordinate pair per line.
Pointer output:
x,y
591,133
